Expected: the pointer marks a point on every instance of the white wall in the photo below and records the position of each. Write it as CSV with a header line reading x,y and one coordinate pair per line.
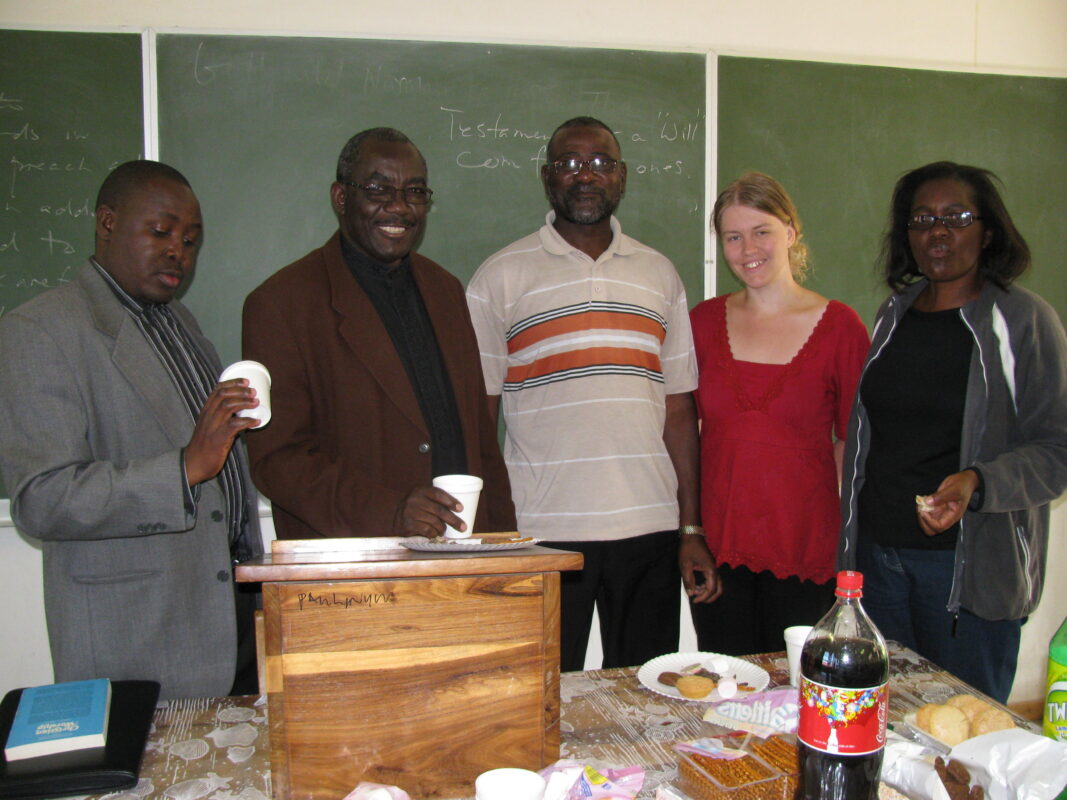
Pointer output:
x,y
1009,36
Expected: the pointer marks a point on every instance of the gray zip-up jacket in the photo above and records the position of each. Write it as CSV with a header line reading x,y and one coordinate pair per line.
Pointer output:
x,y
1014,432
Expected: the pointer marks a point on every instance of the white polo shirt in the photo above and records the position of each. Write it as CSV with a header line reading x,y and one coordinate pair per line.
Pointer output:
x,y
583,353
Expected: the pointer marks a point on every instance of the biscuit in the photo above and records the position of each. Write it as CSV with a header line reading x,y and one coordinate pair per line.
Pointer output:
x,y
969,705
922,716
694,686
950,725
992,720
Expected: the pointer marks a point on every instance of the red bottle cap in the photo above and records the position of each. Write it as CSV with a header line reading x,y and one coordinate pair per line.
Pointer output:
x,y
849,583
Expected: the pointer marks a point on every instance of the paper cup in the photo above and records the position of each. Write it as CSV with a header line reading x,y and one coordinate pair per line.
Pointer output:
x,y
466,489
794,643
259,379
509,784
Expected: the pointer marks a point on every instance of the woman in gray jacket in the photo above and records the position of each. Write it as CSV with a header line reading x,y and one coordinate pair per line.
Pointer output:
x,y
958,437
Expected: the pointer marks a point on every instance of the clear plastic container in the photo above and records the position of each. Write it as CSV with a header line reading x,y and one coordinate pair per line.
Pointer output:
x,y
768,772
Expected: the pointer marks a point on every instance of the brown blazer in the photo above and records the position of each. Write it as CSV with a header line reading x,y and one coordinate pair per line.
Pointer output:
x,y
347,441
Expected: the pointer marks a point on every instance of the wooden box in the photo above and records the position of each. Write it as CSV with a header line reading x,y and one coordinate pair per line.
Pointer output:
x,y
419,670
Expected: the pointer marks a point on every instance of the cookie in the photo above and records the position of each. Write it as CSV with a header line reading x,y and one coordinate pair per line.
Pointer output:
x,y
694,687
922,716
950,725
969,705
990,721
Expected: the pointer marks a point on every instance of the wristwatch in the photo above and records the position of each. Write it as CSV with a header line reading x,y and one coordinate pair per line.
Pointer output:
x,y
691,530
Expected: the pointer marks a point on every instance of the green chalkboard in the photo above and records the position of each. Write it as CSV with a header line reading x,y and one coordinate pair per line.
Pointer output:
x,y
838,137
70,111
257,123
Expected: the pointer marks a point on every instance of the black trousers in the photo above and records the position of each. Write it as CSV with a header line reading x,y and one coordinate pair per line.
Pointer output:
x,y
246,677
634,584
755,608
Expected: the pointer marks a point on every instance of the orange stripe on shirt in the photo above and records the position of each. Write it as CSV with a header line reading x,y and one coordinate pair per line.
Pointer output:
x,y
589,357
585,321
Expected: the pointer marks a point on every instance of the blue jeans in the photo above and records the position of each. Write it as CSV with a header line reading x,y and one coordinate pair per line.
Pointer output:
x,y
905,592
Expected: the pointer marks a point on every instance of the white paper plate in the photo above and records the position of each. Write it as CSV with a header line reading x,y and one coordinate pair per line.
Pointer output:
x,y
742,670
442,545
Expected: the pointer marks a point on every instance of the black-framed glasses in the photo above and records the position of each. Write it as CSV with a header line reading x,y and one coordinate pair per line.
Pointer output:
x,y
377,193
957,219
600,165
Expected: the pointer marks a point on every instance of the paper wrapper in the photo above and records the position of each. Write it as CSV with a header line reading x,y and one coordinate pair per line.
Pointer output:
x,y
1009,765
572,780
763,714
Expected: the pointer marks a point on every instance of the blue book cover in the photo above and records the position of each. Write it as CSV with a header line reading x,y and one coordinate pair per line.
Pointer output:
x,y
59,718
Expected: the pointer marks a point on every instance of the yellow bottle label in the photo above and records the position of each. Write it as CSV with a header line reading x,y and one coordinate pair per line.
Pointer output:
x,y
1055,726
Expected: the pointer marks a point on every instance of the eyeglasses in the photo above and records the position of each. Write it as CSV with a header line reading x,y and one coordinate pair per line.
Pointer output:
x,y
376,193
599,165
957,219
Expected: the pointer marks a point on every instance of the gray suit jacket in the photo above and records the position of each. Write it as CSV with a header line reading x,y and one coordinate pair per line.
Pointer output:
x,y
91,431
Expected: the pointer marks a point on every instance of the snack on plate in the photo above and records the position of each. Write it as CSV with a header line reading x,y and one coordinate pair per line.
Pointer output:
x,y
694,687
969,705
668,678
922,716
950,725
961,717
990,721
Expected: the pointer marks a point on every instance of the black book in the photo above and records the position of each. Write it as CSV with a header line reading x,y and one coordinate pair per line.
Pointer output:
x,y
90,771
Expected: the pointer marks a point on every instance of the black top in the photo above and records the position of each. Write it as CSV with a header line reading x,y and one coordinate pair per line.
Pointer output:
x,y
396,296
914,393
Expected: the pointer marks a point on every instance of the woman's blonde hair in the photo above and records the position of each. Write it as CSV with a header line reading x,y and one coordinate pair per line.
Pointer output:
x,y
764,193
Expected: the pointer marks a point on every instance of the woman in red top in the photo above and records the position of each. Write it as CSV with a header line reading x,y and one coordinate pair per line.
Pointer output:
x,y
778,370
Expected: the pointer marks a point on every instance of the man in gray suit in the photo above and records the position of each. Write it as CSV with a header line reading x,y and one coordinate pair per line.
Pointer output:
x,y
118,449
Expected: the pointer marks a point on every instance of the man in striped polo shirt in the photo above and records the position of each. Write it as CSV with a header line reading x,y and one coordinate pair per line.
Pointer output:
x,y
585,334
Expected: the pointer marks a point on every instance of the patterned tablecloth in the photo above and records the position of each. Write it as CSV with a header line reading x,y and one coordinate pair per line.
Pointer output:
x,y
219,749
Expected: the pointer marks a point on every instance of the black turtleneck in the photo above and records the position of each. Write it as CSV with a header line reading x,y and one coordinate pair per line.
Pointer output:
x,y
396,297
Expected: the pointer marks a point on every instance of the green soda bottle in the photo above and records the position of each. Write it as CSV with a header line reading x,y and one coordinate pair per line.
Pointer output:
x,y
1055,726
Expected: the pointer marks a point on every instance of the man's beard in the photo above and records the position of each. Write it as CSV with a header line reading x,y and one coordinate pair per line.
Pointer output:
x,y
569,209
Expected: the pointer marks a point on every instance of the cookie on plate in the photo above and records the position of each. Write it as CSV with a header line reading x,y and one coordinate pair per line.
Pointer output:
x,y
992,720
950,725
922,716
969,705
695,687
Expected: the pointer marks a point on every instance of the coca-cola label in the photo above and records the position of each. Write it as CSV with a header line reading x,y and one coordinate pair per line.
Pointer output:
x,y
847,722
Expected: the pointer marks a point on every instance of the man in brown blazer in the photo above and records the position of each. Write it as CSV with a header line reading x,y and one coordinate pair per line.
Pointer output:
x,y
376,380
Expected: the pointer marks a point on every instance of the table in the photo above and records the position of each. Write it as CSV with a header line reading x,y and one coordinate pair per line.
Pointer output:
x,y
219,749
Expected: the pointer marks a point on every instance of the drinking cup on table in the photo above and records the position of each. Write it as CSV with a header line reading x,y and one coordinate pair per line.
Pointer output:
x,y
794,643
466,489
509,784
259,379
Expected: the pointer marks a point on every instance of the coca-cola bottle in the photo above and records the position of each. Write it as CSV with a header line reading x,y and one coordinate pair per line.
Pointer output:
x,y
844,671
